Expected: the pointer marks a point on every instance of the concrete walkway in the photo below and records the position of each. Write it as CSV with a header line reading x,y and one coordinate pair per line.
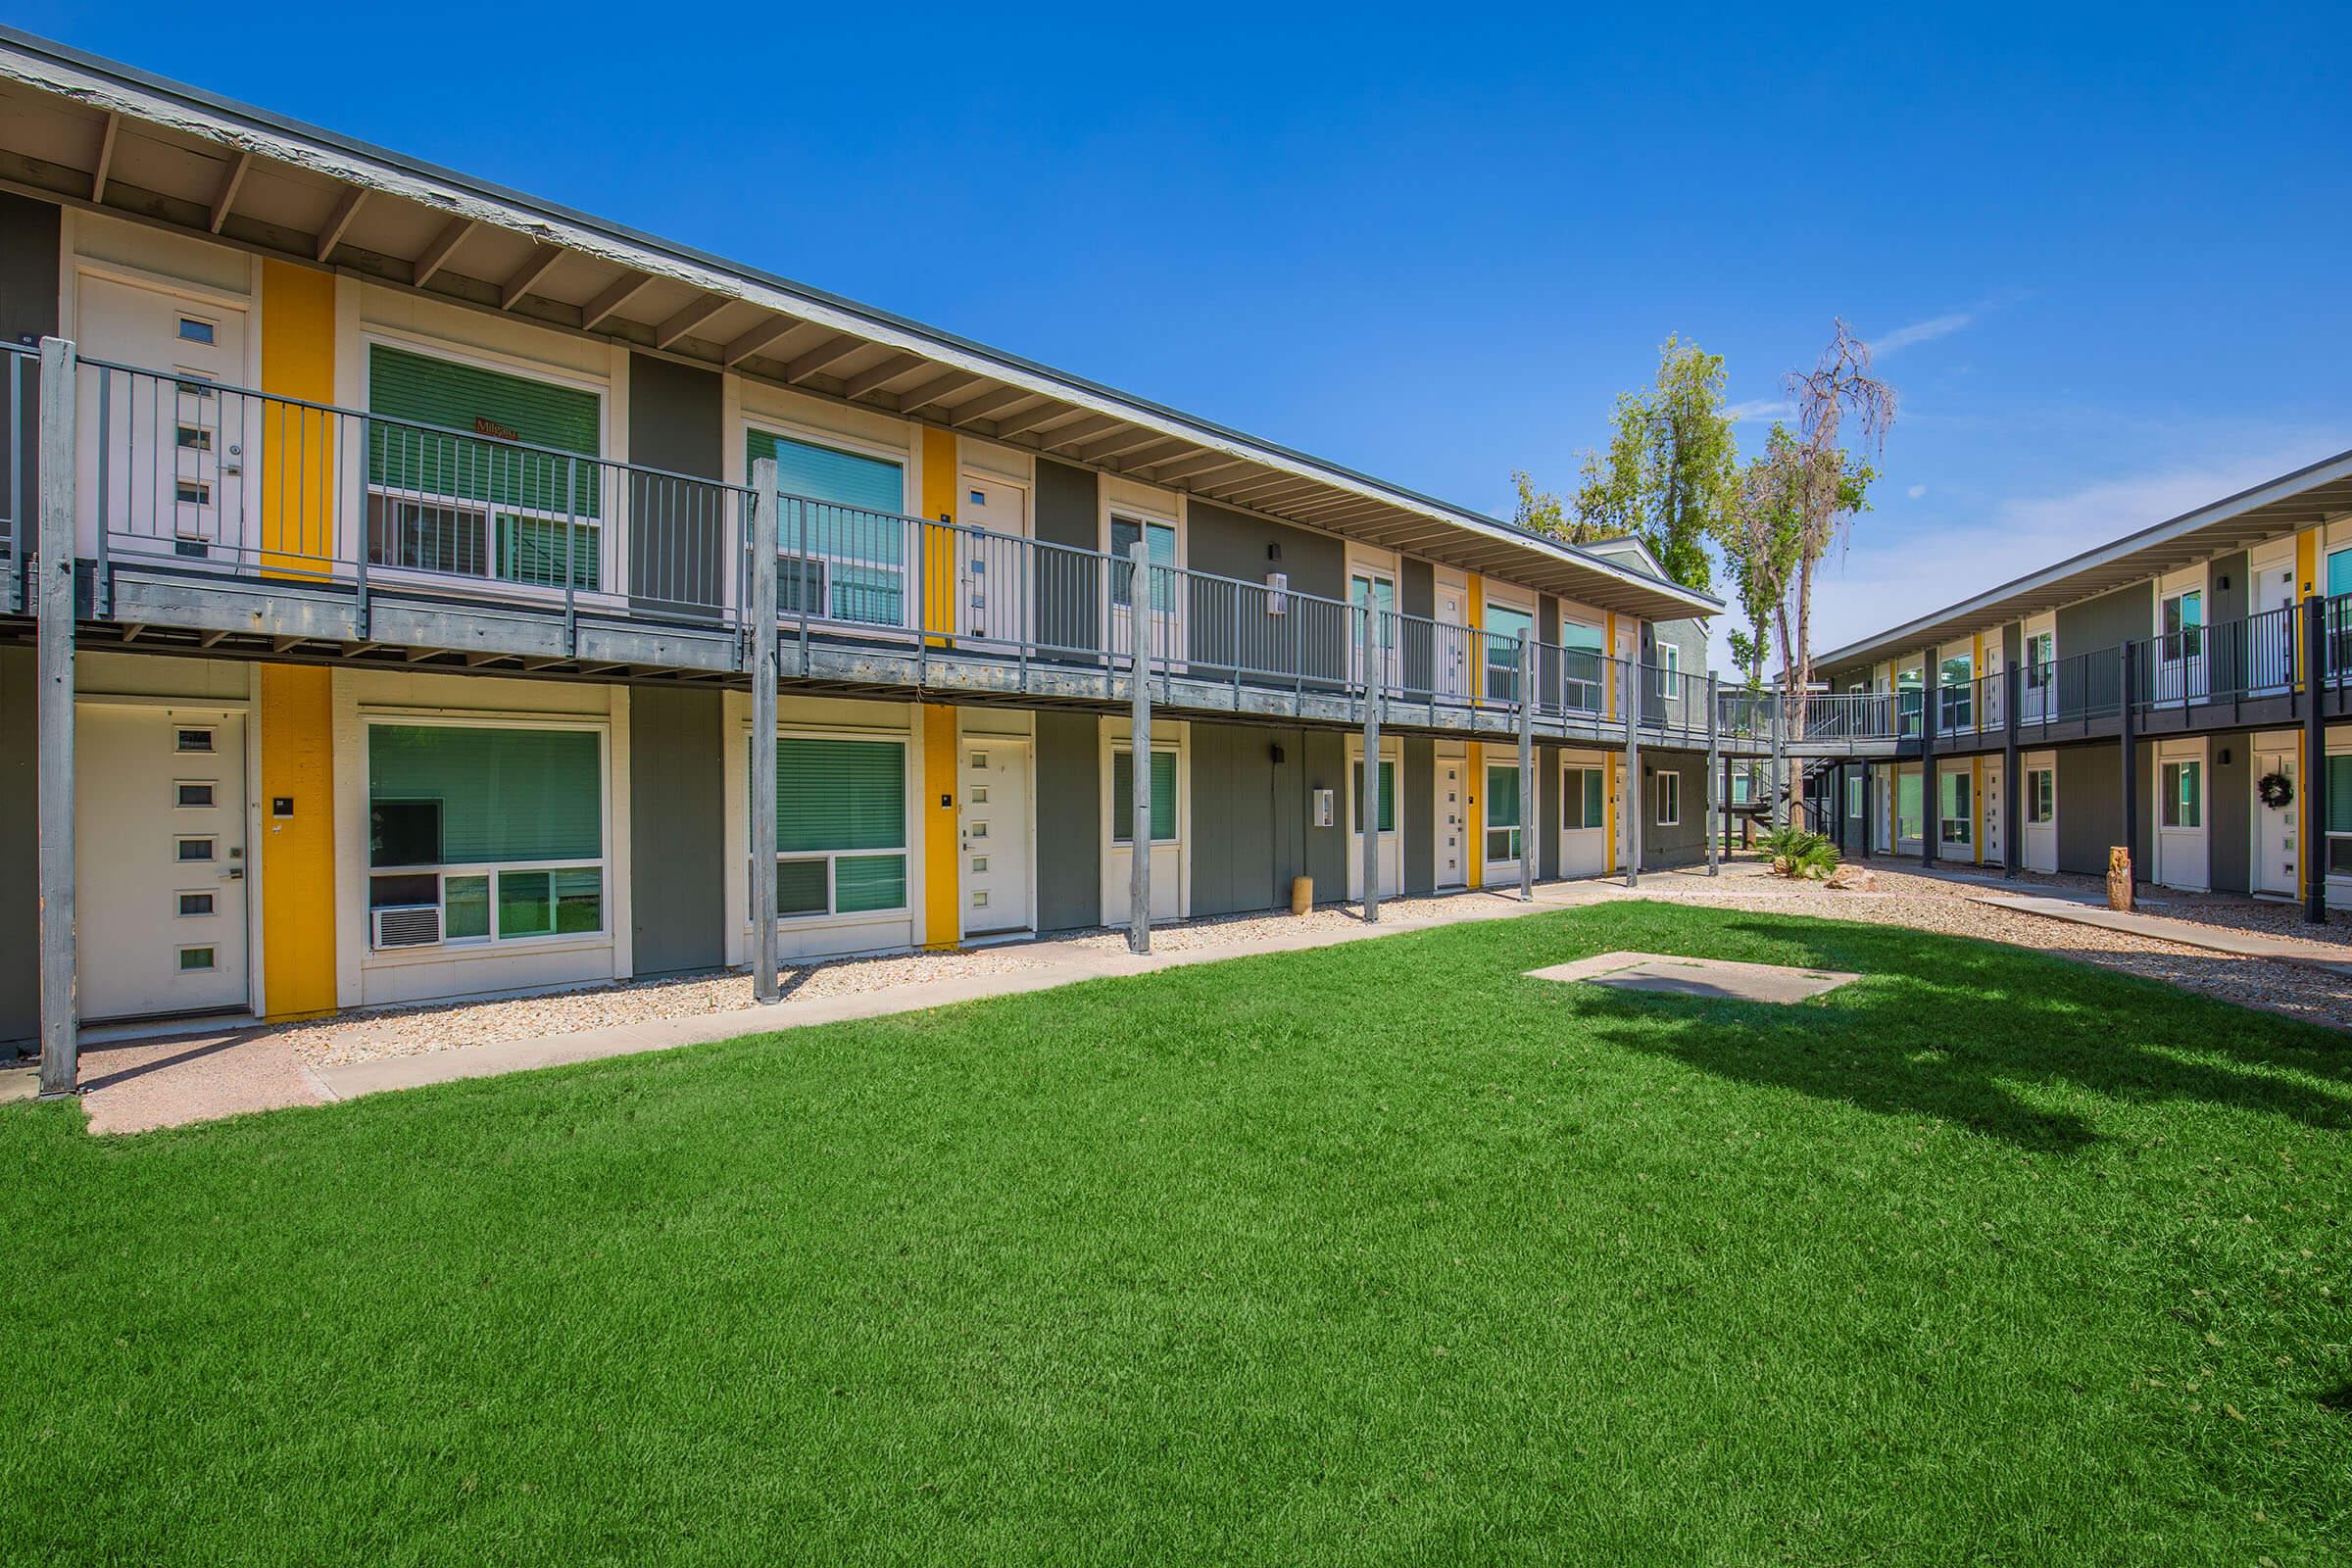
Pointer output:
x,y
140,1085
2330,955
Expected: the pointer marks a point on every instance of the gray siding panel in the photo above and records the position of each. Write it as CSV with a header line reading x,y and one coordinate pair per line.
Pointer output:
x,y
2098,623
678,533
28,262
1239,805
1325,754
2228,811
1687,841
19,888
2091,807
677,787
1232,544
1067,588
1070,858
1420,818
1547,824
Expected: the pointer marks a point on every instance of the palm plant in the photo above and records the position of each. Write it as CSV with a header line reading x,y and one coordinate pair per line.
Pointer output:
x,y
1800,853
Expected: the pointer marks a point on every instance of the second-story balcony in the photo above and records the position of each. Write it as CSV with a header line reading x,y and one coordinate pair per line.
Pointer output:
x,y
301,529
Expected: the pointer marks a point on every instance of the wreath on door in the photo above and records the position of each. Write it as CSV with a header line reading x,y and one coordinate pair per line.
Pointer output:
x,y
2276,789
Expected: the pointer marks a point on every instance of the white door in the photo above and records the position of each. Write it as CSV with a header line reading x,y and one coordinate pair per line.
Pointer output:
x,y
1996,842
1392,846
1377,589
991,577
1584,819
992,829
1451,655
2041,677
2270,635
2181,808
1167,853
1164,617
2275,845
1454,825
175,445
2181,647
2037,803
159,847
1996,691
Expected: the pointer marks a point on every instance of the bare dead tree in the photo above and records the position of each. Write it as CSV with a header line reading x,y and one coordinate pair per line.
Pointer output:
x,y
1829,491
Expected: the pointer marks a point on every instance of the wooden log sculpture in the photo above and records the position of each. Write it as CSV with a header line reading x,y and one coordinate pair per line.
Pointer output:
x,y
2119,878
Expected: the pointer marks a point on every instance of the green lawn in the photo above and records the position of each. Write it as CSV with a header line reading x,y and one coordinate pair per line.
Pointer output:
x,y
1378,1253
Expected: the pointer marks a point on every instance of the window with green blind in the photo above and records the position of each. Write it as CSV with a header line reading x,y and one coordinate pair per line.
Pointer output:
x,y
457,480
1582,798
1907,793
1503,813
482,820
1388,794
839,530
1159,549
1956,823
841,826
1122,797
1504,627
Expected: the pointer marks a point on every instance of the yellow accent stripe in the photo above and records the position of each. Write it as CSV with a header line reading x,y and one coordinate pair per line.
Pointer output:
x,y
1475,612
941,477
296,853
1474,789
943,856
298,360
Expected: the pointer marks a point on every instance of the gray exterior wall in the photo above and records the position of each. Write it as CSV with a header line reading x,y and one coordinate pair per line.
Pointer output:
x,y
1249,822
677,847
1417,595
1069,793
2125,614
1326,768
1685,842
20,887
2230,808
1068,513
676,421
1420,822
1236,545
28,261
2091,807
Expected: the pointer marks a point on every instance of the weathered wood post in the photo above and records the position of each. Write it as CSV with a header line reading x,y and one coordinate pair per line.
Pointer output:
x,y
1138,748
59,993
759,659
1367,808
2311,826
1529,818
2127,751
1633,773
1714,768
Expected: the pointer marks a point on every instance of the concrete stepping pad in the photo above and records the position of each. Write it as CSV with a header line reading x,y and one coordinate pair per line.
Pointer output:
x,y
1714,979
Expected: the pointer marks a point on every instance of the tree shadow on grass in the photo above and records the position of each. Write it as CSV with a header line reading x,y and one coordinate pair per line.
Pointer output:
x,y
1953,1029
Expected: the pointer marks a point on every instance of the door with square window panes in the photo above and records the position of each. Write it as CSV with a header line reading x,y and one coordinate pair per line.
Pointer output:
x,y
991,584
159,844
169,477
1452,824
993,832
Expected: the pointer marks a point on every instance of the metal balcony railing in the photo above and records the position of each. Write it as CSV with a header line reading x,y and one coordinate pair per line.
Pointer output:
x,y
18,431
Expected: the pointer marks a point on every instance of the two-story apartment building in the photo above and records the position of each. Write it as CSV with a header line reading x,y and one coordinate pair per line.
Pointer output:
x,y
411,604
2180,690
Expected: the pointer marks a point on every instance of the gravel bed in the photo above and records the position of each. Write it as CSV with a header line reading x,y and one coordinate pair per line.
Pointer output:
x,y
1946,905
1227,929
448,1025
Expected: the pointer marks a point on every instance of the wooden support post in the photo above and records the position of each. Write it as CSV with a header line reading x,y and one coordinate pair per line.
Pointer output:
x,y
2311,826
1528,816
1714,762
1632,776
53,703
2127,749
760,658
1367,806
1139,749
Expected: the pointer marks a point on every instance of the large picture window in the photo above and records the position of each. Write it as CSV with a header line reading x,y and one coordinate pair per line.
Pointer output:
x,y
1122,796
481,833
479,474
841,826
838,531
1502,813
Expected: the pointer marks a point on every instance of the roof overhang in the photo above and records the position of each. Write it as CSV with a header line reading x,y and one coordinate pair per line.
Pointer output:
x,y
93,133
2276,506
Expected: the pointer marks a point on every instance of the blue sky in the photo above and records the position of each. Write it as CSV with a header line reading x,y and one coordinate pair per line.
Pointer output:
x,y
2104,248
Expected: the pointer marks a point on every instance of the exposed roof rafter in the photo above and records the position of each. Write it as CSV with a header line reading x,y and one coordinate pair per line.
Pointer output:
x,y
229,183
689,315
612,298
106,158
435,255
535,267
330,233
831,352
760,336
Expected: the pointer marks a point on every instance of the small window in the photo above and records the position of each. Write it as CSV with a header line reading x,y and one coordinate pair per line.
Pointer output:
x,y
980,898
1670,799
192,904
2184,789
1853,795
195,438
198,960
197,851
192,492
196,329
192,740
979,762
979,866
2042,795
979,498
979,795
192,792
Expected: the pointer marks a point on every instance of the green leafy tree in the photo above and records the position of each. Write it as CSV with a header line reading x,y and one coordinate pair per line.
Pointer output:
x,y
1665,477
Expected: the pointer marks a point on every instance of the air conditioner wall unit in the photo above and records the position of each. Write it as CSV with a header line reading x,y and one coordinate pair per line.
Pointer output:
x,y
405,925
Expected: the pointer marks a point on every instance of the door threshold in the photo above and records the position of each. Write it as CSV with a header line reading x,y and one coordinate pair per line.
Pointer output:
x,y
118,1031
999,939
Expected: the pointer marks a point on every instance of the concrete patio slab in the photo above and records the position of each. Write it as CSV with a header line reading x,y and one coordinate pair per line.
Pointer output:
x,y
1713,979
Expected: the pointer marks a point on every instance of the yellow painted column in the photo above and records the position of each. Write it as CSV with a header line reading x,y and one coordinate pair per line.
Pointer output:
x,y
296,463
941,477
1474,789
296,459
943,852
1608,709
